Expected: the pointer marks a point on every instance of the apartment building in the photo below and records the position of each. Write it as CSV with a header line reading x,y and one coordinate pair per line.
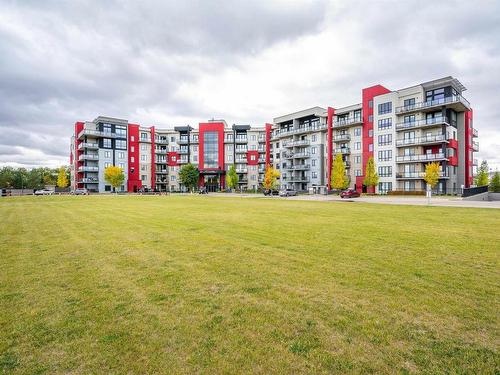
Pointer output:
x,y
152,157
402,130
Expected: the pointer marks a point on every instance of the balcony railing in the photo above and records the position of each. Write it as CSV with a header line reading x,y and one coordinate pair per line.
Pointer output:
x,y
299,167
88,145
433,103
183,140
183,151
439,138
88,157
422,123
160,161
161,171
475,146
302,142
298,179
420,158
475,133
162,141
161,150
241,139
97,133
416,175
342,150
262,139
341,137
88,180
241,150
303,129
339,123
295,155
475,162
86,168
241,170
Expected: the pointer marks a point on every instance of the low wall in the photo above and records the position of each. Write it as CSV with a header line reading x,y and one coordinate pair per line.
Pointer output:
x,y
494,196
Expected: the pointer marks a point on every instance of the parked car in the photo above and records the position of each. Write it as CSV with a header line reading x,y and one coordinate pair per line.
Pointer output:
x,y
81,191
287,193
349,193
271,192
43,192
203,190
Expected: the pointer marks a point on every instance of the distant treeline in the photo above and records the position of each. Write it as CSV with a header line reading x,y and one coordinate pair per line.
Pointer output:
x,y
36,178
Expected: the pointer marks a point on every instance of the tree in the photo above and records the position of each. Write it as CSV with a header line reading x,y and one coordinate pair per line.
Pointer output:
x,y
495,183
431,175
62,178
114,176
188,176
7,177
371,176
271,178
232,178
482,174
339,180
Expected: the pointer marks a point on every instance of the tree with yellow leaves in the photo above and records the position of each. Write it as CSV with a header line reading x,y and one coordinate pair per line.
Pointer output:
x,y
62,178
339,179
114,176
271,178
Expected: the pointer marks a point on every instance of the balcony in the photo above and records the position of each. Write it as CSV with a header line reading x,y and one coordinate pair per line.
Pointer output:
x,y
93,146
475,162
241,140
475,133
347,164
183,161
261,149
194,139
145,139
299,167
161,141
243,181
160,161
241,150
342,150
183,140
88,180
300,130
88,157
341,137
183,151
162,151
96,133
439,138
425,123
296,155
422,158
262,160
456,102
344,122
298,179
415,175
161,171
262,139
302,142
86,168
475,146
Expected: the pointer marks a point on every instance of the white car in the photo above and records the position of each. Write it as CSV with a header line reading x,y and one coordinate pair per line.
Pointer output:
x,y
288,193
43,192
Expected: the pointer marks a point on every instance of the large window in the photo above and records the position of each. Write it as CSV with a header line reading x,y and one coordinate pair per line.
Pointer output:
x,y
384,187
211,149
106,143
384,108
385,155
384,139
121,144
121,131
385,171
385,123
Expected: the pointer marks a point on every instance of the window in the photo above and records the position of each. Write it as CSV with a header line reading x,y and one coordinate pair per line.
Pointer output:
x,y
313,150
253,158
144,157
314,174
409,119
370,147
211,149
195,157
357,132
132,148
313,138
107,154
385,171
253,147
370,118
357,159
357,172
121,155
313,162
384,187
357,145
106,143
253,137
107,164
144,147
121,131
384,139
370,133
132,138
384,108
172,178
385,155
144,177
370,104
253,177
121,144
385,123
435,95
144,136
132,159
107,187
144,167
409,103
172,139
122,165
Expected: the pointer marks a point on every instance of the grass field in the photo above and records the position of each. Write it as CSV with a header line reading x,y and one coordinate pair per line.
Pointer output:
x,y
195,284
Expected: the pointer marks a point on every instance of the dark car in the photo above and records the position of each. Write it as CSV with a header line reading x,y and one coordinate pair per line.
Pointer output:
x,y
349,193
271,192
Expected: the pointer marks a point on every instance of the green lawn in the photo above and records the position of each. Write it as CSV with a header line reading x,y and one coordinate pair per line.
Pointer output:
x,y
197,284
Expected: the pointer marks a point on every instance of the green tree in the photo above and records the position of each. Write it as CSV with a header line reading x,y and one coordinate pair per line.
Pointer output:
x,y
62,178
7,177
431,175
232,178
482,174
371,176
339,180
114,176
495,183
271,178
188,176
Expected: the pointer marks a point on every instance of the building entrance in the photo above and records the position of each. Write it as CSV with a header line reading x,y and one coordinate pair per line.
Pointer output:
x,y
212,183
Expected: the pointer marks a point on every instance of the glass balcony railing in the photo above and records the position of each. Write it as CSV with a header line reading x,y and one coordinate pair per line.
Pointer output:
x,y
422,158
438,138
433,103
422,123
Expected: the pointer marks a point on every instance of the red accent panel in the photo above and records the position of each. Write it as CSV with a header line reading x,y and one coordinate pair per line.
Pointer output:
x,y
453,160
268,144
153,161
368,94
434,149
173,159
256,157
329,146
209,127
134,181
468,148
453,143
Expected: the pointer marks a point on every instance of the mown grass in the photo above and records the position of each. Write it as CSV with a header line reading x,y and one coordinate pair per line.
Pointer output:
x,y
120,284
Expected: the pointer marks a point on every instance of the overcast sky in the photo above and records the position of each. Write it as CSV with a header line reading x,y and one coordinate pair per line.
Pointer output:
x,y
168,63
